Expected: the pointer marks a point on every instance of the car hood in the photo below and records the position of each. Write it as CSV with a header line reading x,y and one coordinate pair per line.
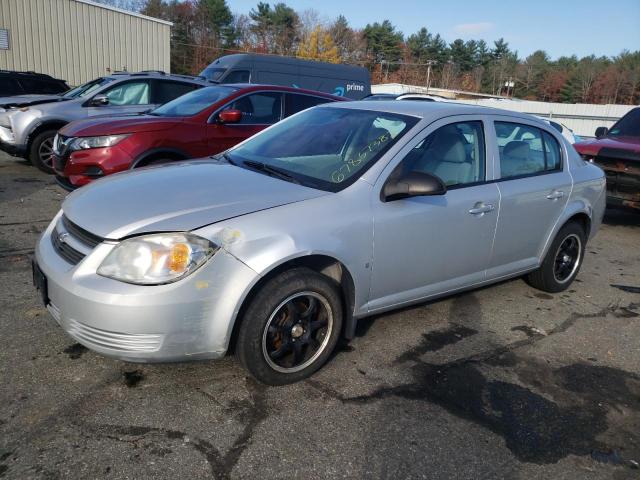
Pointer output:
x,y
177,197
118,124
592,147
27,100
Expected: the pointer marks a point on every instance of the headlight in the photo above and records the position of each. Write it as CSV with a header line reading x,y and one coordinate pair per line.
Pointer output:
x,y
83,143
156,259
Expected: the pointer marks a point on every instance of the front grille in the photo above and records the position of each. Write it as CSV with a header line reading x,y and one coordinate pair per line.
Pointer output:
x,y
88,238
67,252
73,251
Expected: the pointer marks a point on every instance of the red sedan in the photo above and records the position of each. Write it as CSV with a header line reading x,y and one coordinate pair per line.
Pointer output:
x,y
203,122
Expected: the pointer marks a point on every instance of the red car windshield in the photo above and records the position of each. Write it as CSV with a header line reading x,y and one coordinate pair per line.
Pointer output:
x,y
627,126
193,102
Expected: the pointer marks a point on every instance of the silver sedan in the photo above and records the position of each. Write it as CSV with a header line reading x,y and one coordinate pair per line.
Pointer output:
x,y
278,246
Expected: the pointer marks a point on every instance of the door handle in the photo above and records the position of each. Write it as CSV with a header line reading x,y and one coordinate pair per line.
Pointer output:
x,y
481,208
555,195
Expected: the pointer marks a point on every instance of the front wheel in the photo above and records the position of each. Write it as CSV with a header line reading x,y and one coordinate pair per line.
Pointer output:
x,y
41,152
562,261
290,327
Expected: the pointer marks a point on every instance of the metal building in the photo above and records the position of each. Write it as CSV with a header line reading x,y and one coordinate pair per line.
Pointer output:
x,y
79,40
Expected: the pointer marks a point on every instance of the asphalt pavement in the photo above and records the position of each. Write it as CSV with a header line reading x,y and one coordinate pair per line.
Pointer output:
x,y
503,382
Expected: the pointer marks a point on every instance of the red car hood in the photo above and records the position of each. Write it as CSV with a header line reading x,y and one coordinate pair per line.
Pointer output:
x,y
115,125
592,147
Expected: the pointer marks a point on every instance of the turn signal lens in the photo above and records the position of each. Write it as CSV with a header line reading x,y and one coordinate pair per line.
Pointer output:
x,y
179,257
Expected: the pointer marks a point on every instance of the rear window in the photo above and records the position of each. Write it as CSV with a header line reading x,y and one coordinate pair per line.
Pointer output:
x,y
193,102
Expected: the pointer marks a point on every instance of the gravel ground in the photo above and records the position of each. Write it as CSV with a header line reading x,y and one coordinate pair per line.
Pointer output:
x,y
502,382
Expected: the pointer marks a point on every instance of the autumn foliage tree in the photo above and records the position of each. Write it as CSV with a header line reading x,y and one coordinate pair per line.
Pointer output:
x,y
319,46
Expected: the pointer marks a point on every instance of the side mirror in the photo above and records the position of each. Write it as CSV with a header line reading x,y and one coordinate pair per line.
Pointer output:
x,y
230,116
601,131
412,184
100,101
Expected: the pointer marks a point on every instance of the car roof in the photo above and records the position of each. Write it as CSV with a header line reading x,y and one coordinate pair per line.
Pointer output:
x,y
18,74
283,88
159,74
434,110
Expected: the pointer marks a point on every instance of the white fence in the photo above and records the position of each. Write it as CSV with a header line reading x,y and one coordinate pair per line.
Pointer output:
x,y
582,118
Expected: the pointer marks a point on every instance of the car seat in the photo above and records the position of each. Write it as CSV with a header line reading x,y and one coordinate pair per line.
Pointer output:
x,y
446,157
515,157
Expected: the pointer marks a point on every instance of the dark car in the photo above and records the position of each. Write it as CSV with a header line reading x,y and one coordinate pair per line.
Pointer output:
x,y
617,152
25,83
203,122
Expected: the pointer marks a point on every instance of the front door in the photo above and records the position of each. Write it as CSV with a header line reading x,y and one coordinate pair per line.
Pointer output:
x,y
259,110
430,245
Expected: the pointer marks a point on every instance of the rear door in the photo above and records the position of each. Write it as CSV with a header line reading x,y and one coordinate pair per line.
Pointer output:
x,y
259,110
534,185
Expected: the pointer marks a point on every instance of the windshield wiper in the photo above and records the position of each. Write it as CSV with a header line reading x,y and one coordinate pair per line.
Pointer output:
x,y
273,171
226,157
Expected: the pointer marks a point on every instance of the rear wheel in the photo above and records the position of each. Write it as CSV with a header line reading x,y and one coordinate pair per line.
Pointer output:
x,y
290,327
41,152
562,262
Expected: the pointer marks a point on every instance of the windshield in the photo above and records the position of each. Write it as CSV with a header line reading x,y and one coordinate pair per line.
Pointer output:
x,y
627,126
193,102
213,74
326,148
86,89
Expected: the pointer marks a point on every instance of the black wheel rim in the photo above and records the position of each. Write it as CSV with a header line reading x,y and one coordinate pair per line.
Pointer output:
x,y
567,258
45,152
297,332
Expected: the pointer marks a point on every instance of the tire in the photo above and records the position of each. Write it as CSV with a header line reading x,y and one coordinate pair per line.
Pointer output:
x,y
42,142
556,273
299,305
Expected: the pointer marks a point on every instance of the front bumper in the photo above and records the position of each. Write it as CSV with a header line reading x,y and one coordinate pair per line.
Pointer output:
x,y
190,319
7,143
81,167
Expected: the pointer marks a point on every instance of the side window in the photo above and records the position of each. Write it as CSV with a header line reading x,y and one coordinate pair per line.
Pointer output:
x,y
237,76
294,103
523,150
261,108
455,153
129,93
551,152
166,91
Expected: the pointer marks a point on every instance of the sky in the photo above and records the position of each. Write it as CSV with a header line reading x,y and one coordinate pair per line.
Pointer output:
x,y
561,27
